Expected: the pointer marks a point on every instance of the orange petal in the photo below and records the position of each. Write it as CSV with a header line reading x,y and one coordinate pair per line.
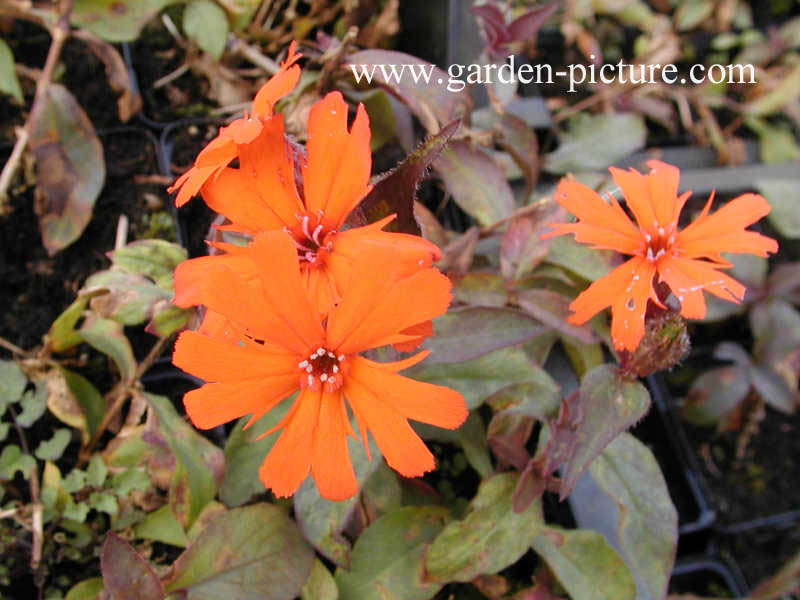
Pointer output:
x,y
233,193
217,403
242,131
277,86
685,289
321,288
690,275
724,231
289,461
330,463
416,400
368,312
213,360
336,175
636,190
190,183
275,256
269,166
600,223
219,283
422,331
400,445
663,181
626,289
410,252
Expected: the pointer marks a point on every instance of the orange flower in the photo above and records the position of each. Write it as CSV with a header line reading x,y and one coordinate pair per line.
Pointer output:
x,y
273,342
241,132
263,195
687,261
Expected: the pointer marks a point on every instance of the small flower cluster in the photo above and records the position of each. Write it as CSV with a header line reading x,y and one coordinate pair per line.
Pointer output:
x,y
292,311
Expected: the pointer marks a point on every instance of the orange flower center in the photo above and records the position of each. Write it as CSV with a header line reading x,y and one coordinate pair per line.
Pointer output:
x,y
660,243
323,368
310,239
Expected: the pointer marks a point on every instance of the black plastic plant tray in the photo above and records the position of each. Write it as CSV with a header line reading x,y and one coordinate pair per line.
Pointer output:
x,y
707,576
678,435
676,457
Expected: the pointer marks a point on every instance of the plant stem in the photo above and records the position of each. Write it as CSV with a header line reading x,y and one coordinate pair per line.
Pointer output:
x,y
119,394
36,506
13,348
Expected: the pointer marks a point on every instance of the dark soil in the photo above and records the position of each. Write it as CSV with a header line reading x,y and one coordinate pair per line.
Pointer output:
x,y
764,482
37,287
761,552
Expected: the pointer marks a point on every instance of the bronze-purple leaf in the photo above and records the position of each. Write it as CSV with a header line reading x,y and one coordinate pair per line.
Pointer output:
x,y
395,191
126,575
476,182
70,168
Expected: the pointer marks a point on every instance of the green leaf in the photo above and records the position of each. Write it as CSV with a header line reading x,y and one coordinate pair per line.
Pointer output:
x,y
62,335
783,196
691,13
480,378
715,394
12,460
491,537
587,262
206,24
128,298
464,334
647,522
108,337
70,167
115,20
244,453
781,95
167,321
481,289
387,560
33,406
396,190
610,405
162,526
241,11
250,552
104,502
126,574
88,589
84,404
585,565
321,520
132,478
74,481
200,464
595,142
53,448
320,584
9,84
153,258
476,182
96,471
775,144
12,383
4,427
76,511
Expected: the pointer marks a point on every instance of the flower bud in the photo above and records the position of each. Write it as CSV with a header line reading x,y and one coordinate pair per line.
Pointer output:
x,y
664,344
